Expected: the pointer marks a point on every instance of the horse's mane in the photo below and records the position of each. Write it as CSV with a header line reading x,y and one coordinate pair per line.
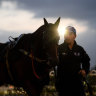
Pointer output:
x,y
32,38
37,33
39,30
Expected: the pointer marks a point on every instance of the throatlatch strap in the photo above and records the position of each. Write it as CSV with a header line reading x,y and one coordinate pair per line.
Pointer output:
x,y
30,55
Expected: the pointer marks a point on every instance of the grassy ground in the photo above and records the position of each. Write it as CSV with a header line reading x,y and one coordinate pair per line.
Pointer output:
x,y
50,90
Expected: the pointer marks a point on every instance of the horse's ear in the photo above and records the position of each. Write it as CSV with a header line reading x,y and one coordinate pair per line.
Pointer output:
x,y
57,22
45,22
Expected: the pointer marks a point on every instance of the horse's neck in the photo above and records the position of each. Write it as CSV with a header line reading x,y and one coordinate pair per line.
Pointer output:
x,y
31,42
1,43
37,46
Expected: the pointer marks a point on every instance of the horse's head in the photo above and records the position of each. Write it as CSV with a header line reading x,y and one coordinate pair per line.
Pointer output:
x,y
50,41
43,42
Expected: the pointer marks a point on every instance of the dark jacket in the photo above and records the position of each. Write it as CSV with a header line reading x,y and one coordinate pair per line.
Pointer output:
x,y
71,61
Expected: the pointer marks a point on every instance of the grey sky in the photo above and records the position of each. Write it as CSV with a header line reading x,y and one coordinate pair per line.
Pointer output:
x,y
78,9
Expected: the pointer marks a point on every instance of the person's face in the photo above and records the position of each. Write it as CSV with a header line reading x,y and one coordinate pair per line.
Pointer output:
x,y
69,37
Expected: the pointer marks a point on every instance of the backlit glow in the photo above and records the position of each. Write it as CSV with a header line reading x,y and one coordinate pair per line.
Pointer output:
x,y
61,31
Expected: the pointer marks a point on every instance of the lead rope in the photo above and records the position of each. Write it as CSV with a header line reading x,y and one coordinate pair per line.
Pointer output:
x,y
33,67
8,67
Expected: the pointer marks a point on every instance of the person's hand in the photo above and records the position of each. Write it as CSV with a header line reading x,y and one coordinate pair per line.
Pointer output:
x,y
82,72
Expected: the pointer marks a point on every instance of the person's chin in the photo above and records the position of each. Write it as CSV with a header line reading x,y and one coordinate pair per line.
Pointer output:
x,y
67,41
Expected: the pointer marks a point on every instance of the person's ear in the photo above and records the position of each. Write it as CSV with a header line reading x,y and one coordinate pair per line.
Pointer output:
x,y
75,35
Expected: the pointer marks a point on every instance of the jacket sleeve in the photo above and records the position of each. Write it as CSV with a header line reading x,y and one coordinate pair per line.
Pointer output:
x,y
85,61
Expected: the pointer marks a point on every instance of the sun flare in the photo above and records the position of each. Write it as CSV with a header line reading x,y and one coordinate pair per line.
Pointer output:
x,y
61,31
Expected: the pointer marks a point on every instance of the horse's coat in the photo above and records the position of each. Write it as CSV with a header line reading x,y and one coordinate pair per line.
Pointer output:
x,y
41,44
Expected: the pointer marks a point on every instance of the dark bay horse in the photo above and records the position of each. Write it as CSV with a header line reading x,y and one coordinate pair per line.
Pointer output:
x,y
27,62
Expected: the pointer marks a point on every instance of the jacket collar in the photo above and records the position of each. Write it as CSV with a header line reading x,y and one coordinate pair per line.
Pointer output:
x,y
74,45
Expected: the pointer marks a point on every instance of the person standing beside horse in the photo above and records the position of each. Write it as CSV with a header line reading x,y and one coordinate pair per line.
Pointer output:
x,y
69,71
